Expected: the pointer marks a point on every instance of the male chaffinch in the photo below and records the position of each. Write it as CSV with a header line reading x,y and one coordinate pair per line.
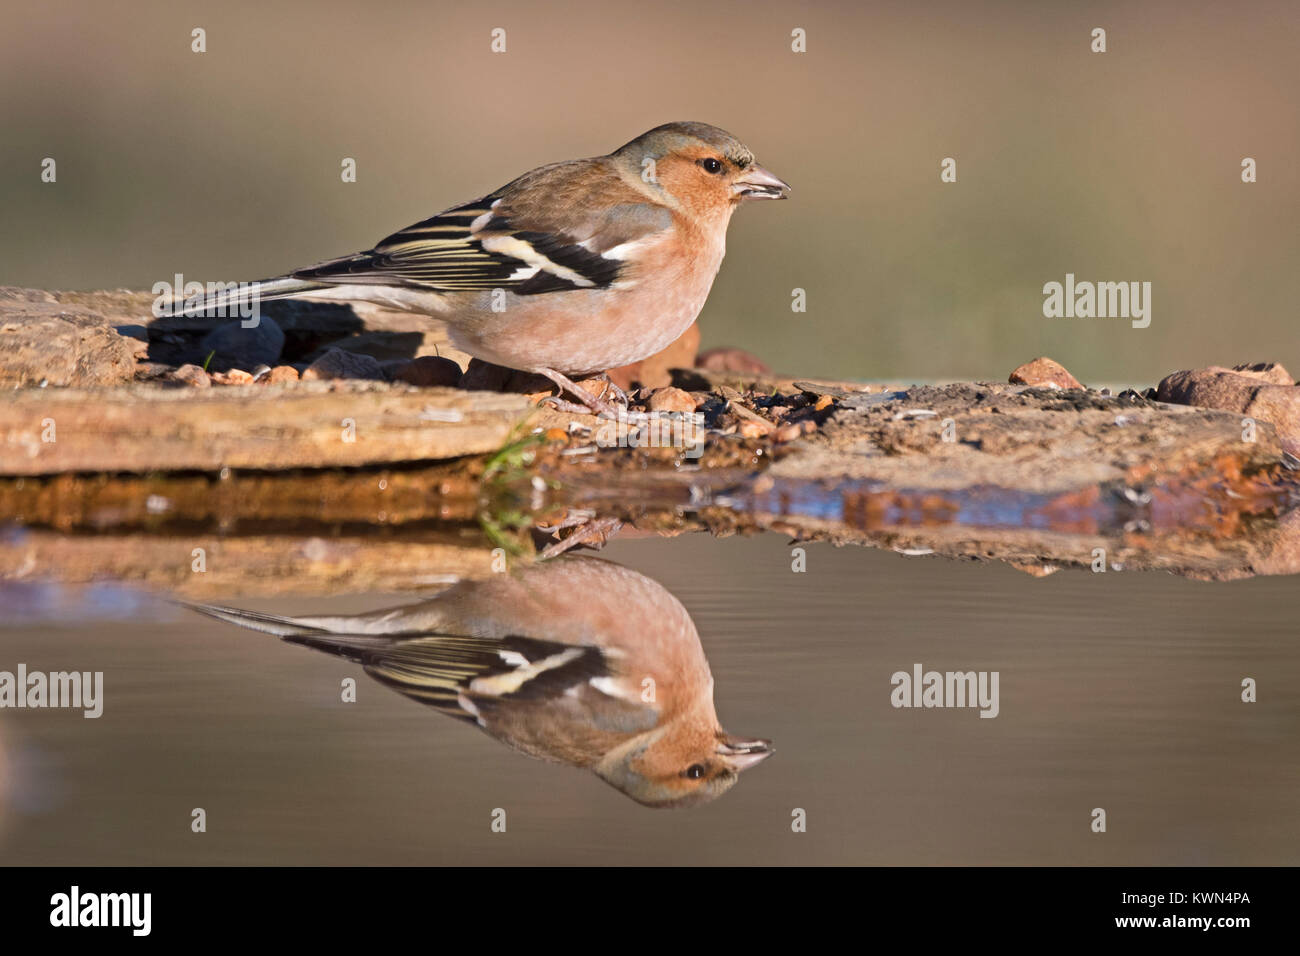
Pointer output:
x,y
575,267
574,660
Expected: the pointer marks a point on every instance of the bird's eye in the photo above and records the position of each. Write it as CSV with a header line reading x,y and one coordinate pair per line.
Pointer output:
x,y
711,165
696,770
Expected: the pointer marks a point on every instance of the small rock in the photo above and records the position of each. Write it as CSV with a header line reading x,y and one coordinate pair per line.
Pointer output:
x,y
337,364
1247,392
483,376
384,346
1044,372
671,400
234,377
752,429
282,375
427,371
480,376
191,375
1213,387
233,346
737,361
788,432
599,387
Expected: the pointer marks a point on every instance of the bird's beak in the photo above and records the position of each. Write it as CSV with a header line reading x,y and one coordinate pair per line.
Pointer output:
x,y
758,183
743,754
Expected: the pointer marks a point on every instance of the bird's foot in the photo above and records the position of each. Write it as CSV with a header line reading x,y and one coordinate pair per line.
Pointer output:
x,y
597,405
593,533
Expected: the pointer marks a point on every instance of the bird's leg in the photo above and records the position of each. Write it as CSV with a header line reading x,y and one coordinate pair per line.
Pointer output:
x,y
612,387
594,533
590,403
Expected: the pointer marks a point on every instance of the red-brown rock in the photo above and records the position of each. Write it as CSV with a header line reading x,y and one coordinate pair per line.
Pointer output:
x,y
1245,390
671,400
735,361
191,375
1044,372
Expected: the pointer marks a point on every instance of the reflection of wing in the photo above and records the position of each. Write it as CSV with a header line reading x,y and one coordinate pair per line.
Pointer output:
x,y
467,677
534,236
437,669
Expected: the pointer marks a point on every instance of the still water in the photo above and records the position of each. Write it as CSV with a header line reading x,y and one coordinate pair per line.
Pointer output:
x,y
1119,691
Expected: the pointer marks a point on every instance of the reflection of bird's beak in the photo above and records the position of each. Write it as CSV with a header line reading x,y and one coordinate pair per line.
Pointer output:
x,y
742,754
758,183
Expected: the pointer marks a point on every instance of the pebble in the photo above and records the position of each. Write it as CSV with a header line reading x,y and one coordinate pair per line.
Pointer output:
x,y
338,364
671,400
191,375
1044,372
427,371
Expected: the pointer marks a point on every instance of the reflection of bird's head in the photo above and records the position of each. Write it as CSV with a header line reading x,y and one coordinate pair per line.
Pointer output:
x,y
686,762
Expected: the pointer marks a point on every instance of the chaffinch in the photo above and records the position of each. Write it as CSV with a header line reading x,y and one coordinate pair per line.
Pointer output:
x,y
574,660
575,267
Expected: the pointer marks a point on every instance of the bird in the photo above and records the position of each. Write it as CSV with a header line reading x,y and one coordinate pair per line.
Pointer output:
x,y
569,270
575,660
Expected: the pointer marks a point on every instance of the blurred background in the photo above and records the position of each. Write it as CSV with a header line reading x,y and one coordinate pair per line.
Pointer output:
x,y
1122,166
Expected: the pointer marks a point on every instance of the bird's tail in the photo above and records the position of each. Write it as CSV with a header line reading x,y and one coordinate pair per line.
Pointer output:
x,y
333,635
237,297
366,629
258,621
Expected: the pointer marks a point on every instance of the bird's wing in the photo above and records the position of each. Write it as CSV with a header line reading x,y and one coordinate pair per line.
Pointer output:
x,y
445,670
557,228
465,676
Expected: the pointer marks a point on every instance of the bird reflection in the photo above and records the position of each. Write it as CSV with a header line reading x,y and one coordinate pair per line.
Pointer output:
x,y
574,660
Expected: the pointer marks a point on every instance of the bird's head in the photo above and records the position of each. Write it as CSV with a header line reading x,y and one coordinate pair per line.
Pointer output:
x,y
681,766
702,168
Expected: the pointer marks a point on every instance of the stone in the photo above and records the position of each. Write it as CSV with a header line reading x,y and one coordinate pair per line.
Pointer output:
x,y
1044,372
282,374
233,346
427,371
235,376
337,363
735,361
384,346
192,376
671,400
1245,390
46,343
483,376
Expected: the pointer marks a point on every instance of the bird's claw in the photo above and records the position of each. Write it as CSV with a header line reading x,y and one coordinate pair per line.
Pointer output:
x,y
594,534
